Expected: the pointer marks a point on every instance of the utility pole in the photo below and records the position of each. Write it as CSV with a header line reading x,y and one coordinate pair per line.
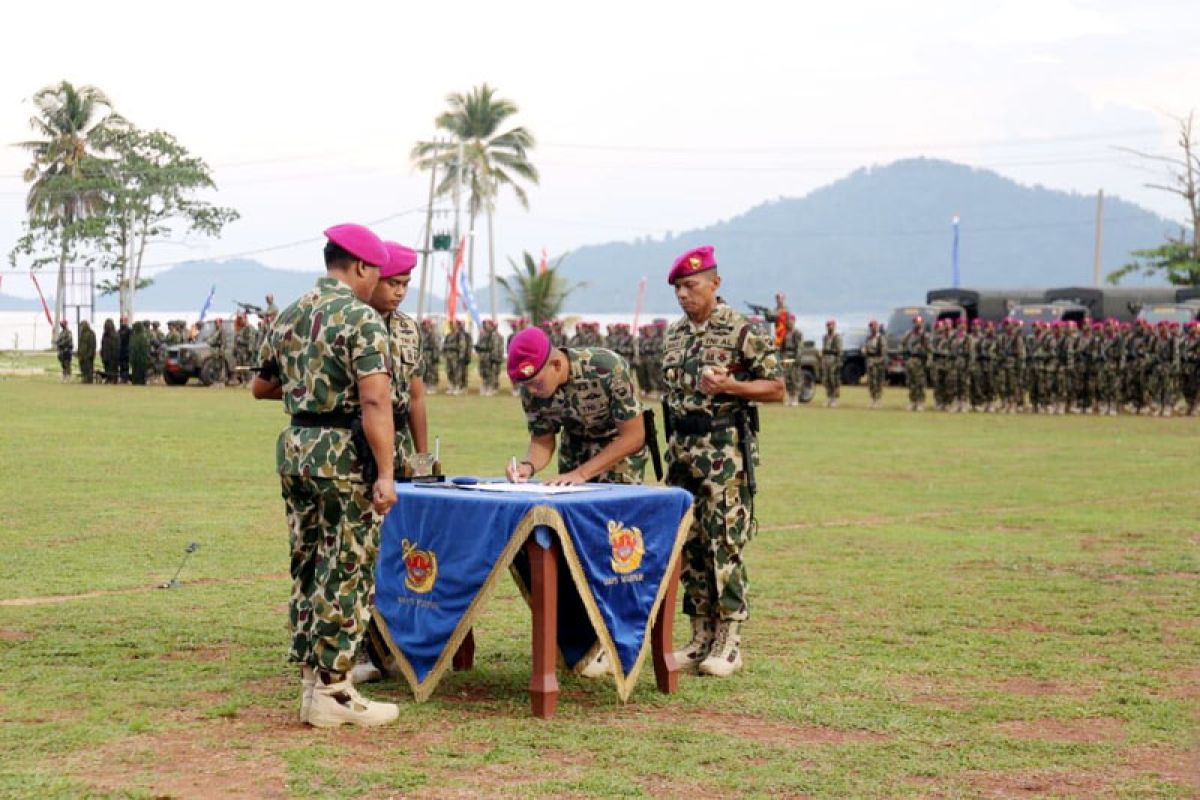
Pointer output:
x,y
1099,238
425,253
458,171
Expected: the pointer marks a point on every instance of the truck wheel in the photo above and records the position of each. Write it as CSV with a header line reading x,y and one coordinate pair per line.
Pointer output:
x,y
808,387
212,371
172,379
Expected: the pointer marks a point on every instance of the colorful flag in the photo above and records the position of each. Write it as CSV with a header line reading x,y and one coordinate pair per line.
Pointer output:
x,y
545,263
452,293
207,303
468,297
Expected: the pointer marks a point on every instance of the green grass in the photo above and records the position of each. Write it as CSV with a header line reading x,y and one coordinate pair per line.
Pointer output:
x,y
942,605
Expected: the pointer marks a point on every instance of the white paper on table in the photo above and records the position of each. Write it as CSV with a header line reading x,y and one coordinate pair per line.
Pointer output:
x,y
529,488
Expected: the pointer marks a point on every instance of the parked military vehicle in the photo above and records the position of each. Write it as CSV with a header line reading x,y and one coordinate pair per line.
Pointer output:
x,y
854,363
900,322
992,305
1183,313
1186,293
1114,302
199,359
1058,311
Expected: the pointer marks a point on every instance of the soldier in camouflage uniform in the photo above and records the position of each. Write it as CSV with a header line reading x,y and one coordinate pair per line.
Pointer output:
x,y
1087,369
642,362
789,355
983,347
1166,369
243,343
64,343
716,364
490,350
831,363
456,348
87,352
1013,359
1112,365
407,366
875,351
1189,355
942,358
915,349
326,356
431,355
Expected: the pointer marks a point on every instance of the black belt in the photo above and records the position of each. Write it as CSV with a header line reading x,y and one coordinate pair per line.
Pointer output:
x,y
700,424
327,419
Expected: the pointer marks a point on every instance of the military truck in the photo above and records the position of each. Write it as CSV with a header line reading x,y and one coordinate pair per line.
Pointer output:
x,y
1183,313
1186,293
1114,302
854,363
992,305
1058,311
199,359
900,322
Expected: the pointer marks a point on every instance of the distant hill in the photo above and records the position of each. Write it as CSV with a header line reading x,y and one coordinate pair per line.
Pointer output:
x,y
878,238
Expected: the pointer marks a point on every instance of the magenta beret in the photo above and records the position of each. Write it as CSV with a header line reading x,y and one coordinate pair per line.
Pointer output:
x,y
359,242
692,262
527,354
401,260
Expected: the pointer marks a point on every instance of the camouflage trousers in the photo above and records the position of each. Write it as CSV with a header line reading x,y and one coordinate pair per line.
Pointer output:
x,y
831,374
405,447
430,373
64,360
334,535
1190,385
1164,387
792,378
914,376
981,385
715,583
489,374
87,368
876,377
572,452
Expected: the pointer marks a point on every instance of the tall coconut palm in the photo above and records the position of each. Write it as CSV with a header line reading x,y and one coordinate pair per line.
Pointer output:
x,y
70,121
492,158
537,293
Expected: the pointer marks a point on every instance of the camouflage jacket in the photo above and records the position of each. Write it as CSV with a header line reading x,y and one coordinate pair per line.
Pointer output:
x,y
404,358
831,345
915,344
65,343
875,347
726,339
793,345
323,344
597,394
431,347
87,341
490,346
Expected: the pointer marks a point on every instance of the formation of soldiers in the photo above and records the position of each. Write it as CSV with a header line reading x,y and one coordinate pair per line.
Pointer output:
x,y
1055,368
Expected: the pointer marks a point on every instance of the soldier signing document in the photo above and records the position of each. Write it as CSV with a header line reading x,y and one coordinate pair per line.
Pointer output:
x,y
715,366
327,357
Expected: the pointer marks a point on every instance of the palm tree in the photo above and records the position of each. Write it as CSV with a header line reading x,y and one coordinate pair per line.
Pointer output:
x,y
491,158
536,293
71,121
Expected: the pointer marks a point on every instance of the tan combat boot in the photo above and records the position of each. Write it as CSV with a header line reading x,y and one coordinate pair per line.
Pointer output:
x,y
697,649
597,666
336,702
308,679
725,655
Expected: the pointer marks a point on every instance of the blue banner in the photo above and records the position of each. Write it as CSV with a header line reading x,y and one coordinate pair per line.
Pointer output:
x,y
443,549
468,297
207,302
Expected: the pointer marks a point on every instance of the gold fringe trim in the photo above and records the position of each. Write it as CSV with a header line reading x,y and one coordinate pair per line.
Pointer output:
x,y
542,516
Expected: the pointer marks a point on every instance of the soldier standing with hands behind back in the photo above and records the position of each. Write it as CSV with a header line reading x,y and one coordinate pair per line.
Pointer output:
x,y
715,365
326,357
831,363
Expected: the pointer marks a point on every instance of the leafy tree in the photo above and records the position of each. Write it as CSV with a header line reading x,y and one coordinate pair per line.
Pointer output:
x,y
492,158
70,122
535,293
149,187
1178,259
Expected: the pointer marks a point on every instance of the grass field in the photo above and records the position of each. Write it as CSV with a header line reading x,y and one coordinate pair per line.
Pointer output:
x,y
942,606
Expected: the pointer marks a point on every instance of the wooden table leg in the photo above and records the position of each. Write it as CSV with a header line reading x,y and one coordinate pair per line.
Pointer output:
x,y
666,671
464,657
543,592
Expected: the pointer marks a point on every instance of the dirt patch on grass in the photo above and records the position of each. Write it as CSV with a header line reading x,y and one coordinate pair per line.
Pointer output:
x,y
220,653
1026,625
15,636
55,599
1183,684
925,691
1171,766
1033,687
1038,783
1083,731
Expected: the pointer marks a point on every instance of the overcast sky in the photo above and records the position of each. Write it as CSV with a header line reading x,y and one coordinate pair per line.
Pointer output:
x,y
650,116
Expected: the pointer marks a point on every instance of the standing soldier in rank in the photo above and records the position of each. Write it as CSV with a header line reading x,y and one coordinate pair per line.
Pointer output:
x,y
831,363
431,355
715,366
326,356
64,343
915,349
789,354
876,352
87,352
490,348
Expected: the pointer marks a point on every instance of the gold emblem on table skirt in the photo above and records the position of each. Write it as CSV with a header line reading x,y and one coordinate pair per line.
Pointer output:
x,y
420,567
627,547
